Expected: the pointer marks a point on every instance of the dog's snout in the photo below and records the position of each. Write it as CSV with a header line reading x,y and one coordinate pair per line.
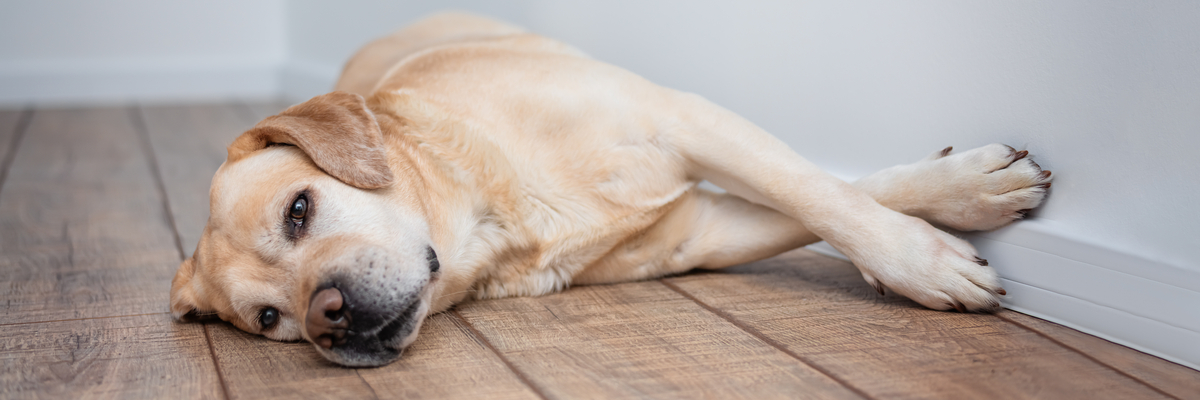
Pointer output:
x,y
369,304
327,319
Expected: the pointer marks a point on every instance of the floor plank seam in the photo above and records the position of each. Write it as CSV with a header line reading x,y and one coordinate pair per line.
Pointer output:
x,y
374,395
771,342
139,123
1087,356
212,351
520,375
81,319
18,135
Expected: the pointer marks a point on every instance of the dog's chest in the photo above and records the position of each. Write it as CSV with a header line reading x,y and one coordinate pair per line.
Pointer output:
x,y
565,217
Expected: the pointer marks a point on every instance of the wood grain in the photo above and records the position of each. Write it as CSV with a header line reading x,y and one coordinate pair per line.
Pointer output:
x,y
1172,378
144,356
639,340
445,362
9,121
82,225
890,347
189,144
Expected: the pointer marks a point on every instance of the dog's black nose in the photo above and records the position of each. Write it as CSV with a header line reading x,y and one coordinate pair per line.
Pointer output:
x,y
327,319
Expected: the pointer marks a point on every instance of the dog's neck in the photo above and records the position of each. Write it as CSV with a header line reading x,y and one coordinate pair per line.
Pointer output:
x,y
469,207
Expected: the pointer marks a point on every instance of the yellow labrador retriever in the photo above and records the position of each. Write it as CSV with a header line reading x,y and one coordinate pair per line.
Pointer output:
x,y
463,158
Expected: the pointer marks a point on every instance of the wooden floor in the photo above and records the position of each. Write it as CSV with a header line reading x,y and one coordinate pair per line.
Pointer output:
x,y
99,205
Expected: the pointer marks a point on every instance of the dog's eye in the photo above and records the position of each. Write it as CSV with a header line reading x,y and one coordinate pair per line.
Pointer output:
x,y
295,217
299,208
268,317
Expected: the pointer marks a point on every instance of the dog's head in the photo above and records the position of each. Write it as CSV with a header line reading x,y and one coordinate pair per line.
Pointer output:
x,y
308,239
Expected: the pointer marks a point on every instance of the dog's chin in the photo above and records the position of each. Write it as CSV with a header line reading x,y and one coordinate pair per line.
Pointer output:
x,y
383,345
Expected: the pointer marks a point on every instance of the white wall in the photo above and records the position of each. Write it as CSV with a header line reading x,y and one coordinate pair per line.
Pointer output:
x,y
322,34
1105,93
73,51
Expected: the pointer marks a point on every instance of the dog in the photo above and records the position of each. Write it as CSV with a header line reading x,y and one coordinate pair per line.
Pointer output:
x,y
463,158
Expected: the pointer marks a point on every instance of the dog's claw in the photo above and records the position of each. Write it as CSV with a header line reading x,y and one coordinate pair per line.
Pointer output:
x,y
958,306
1021,154
946,151
1001,292
981,261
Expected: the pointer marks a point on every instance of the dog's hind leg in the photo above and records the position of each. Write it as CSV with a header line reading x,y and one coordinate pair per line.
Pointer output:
x,y
702,230
728,230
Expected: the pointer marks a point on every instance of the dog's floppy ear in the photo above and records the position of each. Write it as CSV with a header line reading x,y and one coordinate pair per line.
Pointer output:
x,y
336,130
183,295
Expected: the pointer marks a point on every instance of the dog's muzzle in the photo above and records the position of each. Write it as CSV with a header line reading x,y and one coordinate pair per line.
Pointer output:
x,y
370,306
356,332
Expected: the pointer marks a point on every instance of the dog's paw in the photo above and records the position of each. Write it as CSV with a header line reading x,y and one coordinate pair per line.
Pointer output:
x,y
931,267
979,189
987,187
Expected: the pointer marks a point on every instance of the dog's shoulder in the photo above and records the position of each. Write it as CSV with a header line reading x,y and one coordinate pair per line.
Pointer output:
x,y
478,57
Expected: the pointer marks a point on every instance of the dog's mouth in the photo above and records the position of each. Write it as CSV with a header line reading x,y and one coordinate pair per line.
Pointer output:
x,y
401,326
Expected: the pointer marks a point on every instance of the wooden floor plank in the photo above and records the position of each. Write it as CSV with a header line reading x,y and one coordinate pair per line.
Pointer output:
x,y
447,361
9,125
145,356
890,347
444,363
639,340
189,143
1172,378
82,227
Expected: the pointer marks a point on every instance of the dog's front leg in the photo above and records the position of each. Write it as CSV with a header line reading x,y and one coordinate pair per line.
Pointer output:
x,y
904,253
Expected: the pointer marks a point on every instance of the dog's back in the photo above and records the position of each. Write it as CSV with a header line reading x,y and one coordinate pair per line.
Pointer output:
x,y
364,71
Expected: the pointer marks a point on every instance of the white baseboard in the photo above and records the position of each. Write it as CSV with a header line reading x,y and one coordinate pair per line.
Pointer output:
x,y
1147,335
68,83
1141,303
